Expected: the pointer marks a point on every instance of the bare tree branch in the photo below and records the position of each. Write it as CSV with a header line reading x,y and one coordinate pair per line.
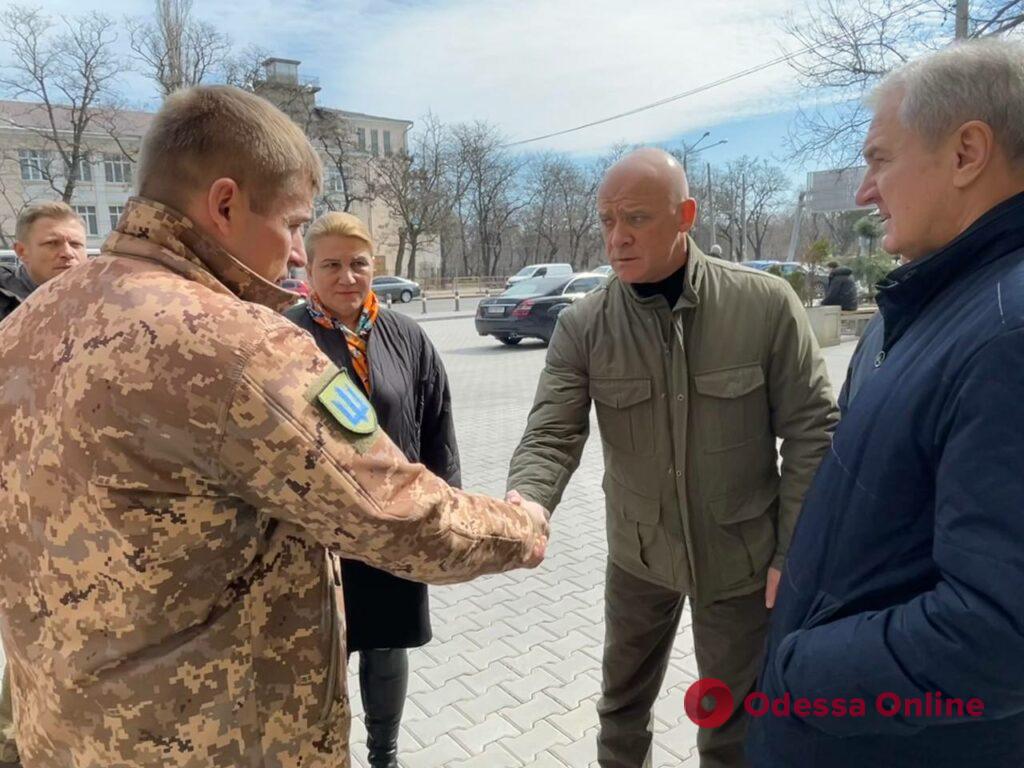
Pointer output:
x,y
68,74
174,50
849,45
413,186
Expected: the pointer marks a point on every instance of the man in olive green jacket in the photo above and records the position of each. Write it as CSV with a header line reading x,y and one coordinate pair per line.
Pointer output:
x,y
697,367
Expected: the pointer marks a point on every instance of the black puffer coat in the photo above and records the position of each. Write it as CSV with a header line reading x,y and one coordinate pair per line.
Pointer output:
x,y
842,290
413,402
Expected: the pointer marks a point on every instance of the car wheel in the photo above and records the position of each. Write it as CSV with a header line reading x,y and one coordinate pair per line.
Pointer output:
x,y
406,296
510,340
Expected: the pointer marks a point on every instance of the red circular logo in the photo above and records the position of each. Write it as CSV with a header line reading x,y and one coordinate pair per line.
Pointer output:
x,y
697,706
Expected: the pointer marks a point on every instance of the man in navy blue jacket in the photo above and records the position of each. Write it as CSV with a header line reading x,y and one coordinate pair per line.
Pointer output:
x,y
898,635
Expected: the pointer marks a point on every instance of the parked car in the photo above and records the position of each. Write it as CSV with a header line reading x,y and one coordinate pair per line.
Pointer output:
x,y
539,270
398,288
296,286
530,309
604,269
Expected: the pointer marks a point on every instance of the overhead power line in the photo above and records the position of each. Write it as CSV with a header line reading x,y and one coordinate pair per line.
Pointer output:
x,y
693,91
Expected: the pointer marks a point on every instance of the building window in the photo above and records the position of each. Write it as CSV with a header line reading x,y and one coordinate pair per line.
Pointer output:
x,y
117,168
35,164
387,143
84,169
115,215
88,214
333,181
374,142
361,139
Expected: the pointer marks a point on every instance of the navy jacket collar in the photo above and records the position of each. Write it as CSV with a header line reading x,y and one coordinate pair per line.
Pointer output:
x,y
906,291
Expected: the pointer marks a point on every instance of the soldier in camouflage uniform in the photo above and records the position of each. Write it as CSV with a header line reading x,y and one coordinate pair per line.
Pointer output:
x,y
179,465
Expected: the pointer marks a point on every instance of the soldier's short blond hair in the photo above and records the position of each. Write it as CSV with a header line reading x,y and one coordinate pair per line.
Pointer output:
x,y
209,132
50,209
336,223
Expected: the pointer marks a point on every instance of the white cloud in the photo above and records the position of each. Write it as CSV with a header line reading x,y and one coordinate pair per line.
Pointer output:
x,y
537,66
531,66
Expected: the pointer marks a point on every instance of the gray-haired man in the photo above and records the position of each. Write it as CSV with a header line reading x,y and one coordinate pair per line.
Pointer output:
x,y
902,611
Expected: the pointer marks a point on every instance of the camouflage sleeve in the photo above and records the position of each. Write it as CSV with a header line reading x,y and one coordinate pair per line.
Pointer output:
x,y
287,456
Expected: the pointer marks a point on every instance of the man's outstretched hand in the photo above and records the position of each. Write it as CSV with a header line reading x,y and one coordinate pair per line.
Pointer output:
x,y
540,518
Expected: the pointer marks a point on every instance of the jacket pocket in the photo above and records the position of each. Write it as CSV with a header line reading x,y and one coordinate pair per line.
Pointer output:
x,y
625,414
744,533
735,404
636,538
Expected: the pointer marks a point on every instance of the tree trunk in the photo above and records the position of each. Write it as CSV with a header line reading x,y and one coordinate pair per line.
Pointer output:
x,y
400,256
414,241
442,253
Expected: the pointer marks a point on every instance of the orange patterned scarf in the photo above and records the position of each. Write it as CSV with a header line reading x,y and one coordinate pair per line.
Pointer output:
x,y
356,339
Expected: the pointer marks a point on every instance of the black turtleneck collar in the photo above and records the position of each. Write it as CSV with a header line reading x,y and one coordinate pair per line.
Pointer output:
x,y
671,287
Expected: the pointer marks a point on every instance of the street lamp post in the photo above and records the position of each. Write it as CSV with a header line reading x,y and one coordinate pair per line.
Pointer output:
x,y
695,148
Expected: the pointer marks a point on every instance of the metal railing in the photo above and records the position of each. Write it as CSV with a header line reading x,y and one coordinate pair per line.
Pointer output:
x,y
466,286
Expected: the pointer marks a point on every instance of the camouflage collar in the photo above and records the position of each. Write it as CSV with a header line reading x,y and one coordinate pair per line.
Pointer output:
x,y
180,246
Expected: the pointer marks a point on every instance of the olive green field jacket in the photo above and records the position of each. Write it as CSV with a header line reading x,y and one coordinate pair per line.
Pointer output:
x,y
691,402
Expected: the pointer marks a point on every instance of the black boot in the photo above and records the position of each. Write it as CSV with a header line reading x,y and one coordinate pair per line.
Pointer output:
x,y
383,680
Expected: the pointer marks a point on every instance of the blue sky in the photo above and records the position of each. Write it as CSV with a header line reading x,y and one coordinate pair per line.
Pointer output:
x,y
530,66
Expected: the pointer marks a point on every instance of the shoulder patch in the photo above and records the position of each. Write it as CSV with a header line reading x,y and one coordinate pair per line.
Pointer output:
x,y
348,405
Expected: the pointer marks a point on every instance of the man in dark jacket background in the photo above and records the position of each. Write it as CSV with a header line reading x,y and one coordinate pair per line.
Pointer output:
x,y
903,585
49,239
842,290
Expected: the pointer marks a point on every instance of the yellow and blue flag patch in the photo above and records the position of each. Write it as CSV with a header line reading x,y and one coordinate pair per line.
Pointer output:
x,y
348,405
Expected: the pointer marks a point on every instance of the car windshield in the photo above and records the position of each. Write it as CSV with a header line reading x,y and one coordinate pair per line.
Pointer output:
x,y
538,287
524,272
583,285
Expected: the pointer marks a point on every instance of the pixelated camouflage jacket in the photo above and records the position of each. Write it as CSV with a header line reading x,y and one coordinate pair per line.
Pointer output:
x,y
168,492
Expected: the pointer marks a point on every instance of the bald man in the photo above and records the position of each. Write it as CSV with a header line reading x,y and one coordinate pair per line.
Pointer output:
x,y
697,367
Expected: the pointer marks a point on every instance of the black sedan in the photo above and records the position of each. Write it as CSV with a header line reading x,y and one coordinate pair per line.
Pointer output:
x,y
530,309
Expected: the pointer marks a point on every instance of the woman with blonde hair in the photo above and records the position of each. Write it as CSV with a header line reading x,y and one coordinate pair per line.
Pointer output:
x,y
391,359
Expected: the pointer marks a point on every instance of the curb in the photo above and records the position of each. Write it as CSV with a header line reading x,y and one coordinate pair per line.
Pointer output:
x,y
421,318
